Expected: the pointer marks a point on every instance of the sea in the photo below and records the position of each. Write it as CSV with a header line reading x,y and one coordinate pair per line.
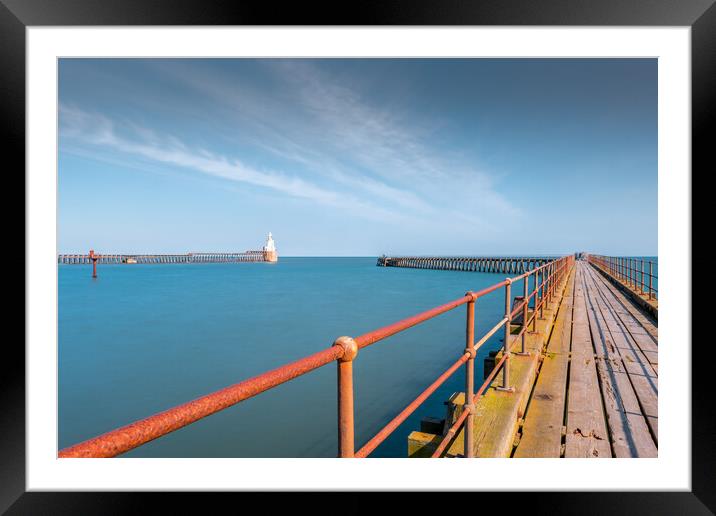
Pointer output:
x,y
140,339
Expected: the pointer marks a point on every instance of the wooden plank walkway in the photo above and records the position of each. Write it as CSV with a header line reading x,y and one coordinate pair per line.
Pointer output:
x,y
542,430
596,394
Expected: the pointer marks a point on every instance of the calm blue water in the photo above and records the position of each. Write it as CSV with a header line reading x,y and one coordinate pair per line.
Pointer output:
x,y
143,338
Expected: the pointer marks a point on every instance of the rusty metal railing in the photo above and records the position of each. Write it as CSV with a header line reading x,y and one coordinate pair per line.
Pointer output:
x,y
344,351
636,273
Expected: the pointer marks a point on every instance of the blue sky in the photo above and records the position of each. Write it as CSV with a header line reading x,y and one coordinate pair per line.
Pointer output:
x,y
358,157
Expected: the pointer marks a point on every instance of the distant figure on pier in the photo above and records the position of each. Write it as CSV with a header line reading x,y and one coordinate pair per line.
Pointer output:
x,y
270,254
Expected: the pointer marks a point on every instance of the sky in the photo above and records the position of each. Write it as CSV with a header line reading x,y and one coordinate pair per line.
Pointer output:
x,y
358,157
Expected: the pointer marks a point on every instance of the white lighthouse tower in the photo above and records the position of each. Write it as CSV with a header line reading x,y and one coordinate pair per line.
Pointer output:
x,y
270,254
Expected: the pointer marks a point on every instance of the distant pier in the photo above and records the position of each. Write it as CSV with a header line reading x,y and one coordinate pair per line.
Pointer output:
x,y
86,259
267,254
502,265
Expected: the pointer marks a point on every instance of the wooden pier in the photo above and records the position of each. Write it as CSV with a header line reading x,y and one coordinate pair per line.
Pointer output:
x,y
502,265
588,389
576,375
86,259
267,254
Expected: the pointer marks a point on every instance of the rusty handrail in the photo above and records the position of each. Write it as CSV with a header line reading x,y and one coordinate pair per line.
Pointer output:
x,y
344,351
383,333
630,271
131,436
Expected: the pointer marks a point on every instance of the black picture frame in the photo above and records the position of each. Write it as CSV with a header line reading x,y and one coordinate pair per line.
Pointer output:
x,y
700,15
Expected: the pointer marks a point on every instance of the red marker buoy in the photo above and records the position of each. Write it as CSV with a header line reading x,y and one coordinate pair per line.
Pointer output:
x,y
94,263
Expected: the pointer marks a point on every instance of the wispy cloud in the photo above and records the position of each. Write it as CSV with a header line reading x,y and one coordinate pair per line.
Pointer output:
x,y
384,141
319,121
97,129
337,147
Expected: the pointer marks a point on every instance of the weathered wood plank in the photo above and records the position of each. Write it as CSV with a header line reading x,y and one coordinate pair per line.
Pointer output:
x,y
586,428
542,428
645,323
640,328
640,372
630,436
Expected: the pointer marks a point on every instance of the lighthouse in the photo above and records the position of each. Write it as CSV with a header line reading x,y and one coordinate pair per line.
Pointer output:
x,y
270,254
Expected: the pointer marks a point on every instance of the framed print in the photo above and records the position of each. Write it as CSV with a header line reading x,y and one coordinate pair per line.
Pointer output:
x,y
296,250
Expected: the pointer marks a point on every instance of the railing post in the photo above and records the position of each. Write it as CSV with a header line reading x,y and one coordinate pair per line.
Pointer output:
x,y
557,276
346,440
470,376
626,270
651,292
543,294
534,311
642,275
506,348
553,284
525,301
538,294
